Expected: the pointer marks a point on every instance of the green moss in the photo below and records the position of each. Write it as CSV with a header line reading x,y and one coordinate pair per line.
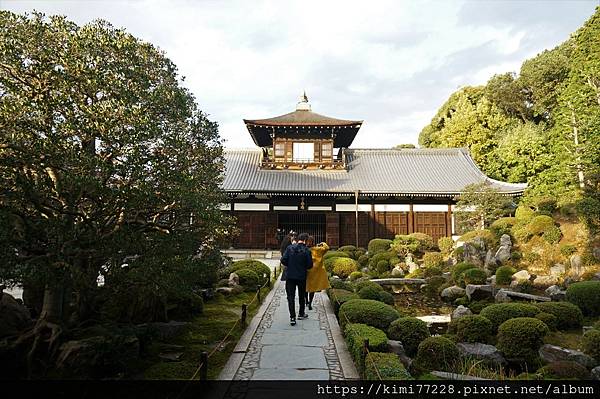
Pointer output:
x,y
367,311
586,295
385,366
410,331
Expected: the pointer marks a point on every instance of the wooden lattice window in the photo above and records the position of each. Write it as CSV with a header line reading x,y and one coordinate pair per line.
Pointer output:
x,y
279,149
326,150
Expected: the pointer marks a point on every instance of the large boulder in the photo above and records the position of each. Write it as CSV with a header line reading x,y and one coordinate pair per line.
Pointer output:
x,y
576,265
397,348
487,353
234,279
461,311
552,353
397,272
474,251
476,292
544,281
490,264
557,270
14,317
449,294
521,276
98,354
596,373
555,293
503,253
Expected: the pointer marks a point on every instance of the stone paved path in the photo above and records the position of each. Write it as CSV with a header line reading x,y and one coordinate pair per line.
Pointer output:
x,y
279,351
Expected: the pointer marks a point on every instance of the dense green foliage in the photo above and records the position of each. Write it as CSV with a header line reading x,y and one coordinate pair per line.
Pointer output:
x,y
249,279
540,126
480,203
549,319
472,328
385,366
367,311
498,313
504,275
339,297
435,353
105,160
586,295
410,331
340,284
564,370
521,337
459,269
433,259
378,245
590,343
263,271
567,315
474,276
360,284
445,244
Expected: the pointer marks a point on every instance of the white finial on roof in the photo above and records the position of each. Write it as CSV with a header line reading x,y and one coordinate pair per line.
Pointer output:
x,y
303,104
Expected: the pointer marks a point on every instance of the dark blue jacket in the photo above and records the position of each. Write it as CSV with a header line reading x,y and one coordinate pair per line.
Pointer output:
x,y
297,259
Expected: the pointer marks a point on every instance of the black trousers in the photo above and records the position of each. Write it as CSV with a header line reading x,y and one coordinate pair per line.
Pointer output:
x,y
309,297
290,289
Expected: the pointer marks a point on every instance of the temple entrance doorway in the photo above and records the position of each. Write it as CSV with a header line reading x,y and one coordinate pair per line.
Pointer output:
x,y
304,222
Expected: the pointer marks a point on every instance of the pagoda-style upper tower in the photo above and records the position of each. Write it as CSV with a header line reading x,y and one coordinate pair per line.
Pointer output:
x,y
302,139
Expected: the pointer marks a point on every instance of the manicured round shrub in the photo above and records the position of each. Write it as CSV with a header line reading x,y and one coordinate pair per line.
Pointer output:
x,y
339,297
474,276
383,266
564,370
549,319
472,328
355,276
410,331
567,315
552,235
347,248
433,259
335,254
521,338
524,213
248,279
360,284
477,306
502,226
385,366
432,271
586,295
394,261
445,244
367,311
260,268
385,297
340,284
342,267
381,256
436,353
488,237
504,275
539,225
357,333
359,252
458,270
378,245
369,292
328,264
363,260
498,313
590,343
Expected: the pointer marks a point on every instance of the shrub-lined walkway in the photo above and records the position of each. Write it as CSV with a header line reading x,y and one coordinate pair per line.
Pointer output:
x,y
311,349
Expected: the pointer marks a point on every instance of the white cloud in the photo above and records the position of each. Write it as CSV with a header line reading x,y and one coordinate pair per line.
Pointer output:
x,y
390,63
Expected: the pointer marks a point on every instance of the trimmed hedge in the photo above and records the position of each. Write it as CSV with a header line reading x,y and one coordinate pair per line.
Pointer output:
x,y
385,366
381,256
363,260
459,269
524,213
445,244
339,297
367,311
498,313
539,225
341,284
504,275
249,279
335,254
357,333
410,331
436,353
590,343
343,267
425,240
586,295
382,266
521,338
549,319
260,268
355,276
474,276
472,328
567,315
564,370
369,292
386,298
360,284
378,245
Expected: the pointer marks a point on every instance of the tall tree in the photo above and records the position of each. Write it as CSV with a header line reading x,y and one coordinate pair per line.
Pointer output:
x,y
103,156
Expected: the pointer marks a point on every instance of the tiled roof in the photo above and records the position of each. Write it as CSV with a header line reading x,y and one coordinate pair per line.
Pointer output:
x,y
302,118
378,171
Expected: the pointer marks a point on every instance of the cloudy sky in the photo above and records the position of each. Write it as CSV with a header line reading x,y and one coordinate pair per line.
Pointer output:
x,y
390,63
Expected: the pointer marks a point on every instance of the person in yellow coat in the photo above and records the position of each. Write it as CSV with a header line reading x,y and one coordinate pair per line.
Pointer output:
x,y
316,279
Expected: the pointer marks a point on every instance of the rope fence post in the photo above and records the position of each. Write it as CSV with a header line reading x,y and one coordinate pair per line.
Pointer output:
x,y
203,366
244,314
258,293
365,351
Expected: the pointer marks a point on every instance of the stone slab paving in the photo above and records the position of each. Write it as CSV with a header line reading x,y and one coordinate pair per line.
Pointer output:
x,y
279,351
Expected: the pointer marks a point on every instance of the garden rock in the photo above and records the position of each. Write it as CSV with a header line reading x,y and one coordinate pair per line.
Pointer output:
x,y
234,279
487,353
84,354
166,331
490,263
576,265
502,296
491,280
477,292
14,317
397,348
472,252
596,253
596,373
555,293
503,253
552,353
451,293
397,272
521,276
225,290
544,281
461,311
557,270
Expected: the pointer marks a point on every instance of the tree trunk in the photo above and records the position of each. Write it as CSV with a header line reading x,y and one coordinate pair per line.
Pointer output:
x,y
580,176
52,309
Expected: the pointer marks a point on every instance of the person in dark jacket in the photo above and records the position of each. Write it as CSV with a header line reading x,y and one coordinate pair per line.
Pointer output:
x,y
297,259
288,240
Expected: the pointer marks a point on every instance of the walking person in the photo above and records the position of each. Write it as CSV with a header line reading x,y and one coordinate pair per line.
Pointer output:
x,y
316,279
285,243
297,259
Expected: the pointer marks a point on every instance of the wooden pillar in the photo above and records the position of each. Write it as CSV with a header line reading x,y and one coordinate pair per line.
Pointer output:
x,y
356,217
449,221
372,224
411,219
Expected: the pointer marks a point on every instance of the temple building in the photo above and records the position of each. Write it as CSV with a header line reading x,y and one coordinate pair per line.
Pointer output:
x,y
303,176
